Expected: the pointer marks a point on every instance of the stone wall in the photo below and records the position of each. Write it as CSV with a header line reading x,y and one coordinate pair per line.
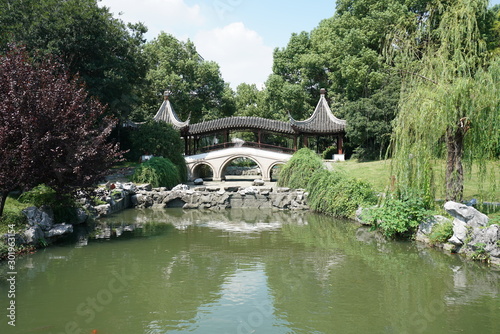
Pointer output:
x,y
219,198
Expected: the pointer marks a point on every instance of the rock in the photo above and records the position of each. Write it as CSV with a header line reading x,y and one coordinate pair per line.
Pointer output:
x,y
465,216
232,189
472,234
468,214
213,189
200,189
361,216
283,190
248,191
144,187
129,187
198,182
42,217
103,209
59,229
81,216
34,235
425,228
180,187
258,183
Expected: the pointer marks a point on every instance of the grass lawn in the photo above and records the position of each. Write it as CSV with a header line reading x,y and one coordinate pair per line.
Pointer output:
x,y
378,173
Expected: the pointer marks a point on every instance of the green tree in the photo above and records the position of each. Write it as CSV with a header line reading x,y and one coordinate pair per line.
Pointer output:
x,y
195,85
248,100
103,51
159,139
450,99
344,54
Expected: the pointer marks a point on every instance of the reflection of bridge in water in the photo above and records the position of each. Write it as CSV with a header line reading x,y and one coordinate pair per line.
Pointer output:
x,y
208,144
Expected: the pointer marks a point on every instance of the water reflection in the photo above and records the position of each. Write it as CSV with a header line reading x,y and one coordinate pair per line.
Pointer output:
x,y
245,271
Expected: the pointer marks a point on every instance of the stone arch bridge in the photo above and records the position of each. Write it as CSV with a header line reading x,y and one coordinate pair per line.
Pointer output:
x,y
218,161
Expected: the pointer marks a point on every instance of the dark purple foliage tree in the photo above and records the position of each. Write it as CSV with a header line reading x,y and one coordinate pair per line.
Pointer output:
x,y
51,131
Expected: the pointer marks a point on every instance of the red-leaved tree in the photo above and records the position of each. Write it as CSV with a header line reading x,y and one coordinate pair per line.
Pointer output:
x,y
51,131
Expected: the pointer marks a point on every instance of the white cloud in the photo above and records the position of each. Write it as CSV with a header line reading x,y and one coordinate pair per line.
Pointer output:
x,y
239,51
158,15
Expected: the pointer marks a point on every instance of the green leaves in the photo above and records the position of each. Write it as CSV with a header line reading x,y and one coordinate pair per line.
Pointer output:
x,y
157,171
299,169
195,85
398,217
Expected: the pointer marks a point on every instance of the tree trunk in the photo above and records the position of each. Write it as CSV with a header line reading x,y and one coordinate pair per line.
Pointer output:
x,y
454,168
3,199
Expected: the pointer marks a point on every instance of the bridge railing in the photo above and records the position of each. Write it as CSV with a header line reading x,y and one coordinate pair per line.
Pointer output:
x,y
247,144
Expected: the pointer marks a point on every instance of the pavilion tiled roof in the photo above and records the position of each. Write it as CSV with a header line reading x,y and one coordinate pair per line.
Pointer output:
x,y
241,122
167,114
322,121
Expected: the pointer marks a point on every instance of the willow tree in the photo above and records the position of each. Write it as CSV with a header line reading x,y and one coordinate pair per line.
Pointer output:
x,y
449,105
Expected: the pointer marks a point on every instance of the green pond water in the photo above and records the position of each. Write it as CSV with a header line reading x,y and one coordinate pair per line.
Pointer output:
x,y
246,271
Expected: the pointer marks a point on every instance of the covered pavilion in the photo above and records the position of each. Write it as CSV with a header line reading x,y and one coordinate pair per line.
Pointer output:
x,y
322,123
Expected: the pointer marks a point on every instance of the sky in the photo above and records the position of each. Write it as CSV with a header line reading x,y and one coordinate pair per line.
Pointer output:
x,y
239,35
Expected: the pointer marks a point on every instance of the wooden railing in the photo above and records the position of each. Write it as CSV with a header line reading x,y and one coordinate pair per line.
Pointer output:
x,y
247,144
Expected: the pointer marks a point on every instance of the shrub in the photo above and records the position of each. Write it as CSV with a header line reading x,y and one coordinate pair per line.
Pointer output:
x,y
159,172
441,232
334,193
158,139
329,152
63,206
299,169
398,217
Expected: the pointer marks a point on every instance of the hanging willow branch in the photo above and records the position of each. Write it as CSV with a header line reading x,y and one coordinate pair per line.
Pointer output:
x,y
449,106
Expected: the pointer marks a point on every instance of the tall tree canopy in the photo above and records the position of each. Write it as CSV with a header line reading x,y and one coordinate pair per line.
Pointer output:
x,y
450,105
344,54
50,130
195,85
103,51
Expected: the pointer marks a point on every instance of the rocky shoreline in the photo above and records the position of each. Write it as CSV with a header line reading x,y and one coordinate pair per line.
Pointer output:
x,y
473,235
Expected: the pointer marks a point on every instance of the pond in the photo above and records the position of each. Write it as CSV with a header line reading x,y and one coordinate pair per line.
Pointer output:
x,y
246,271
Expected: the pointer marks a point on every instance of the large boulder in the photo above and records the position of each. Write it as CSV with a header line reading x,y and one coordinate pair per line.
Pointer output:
x,y
472,234
42,217
58,230
464,217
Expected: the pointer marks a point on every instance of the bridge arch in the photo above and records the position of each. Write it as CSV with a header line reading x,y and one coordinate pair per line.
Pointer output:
x,y
218,160
196,170
277,163
226,163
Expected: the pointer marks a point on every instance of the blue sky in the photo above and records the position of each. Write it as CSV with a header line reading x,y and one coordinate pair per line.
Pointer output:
x,y
240,35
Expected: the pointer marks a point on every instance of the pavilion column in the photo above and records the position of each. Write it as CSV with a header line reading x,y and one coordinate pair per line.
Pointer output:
x,y
226,139
306,141
259,137
340,144
186,145
295,142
